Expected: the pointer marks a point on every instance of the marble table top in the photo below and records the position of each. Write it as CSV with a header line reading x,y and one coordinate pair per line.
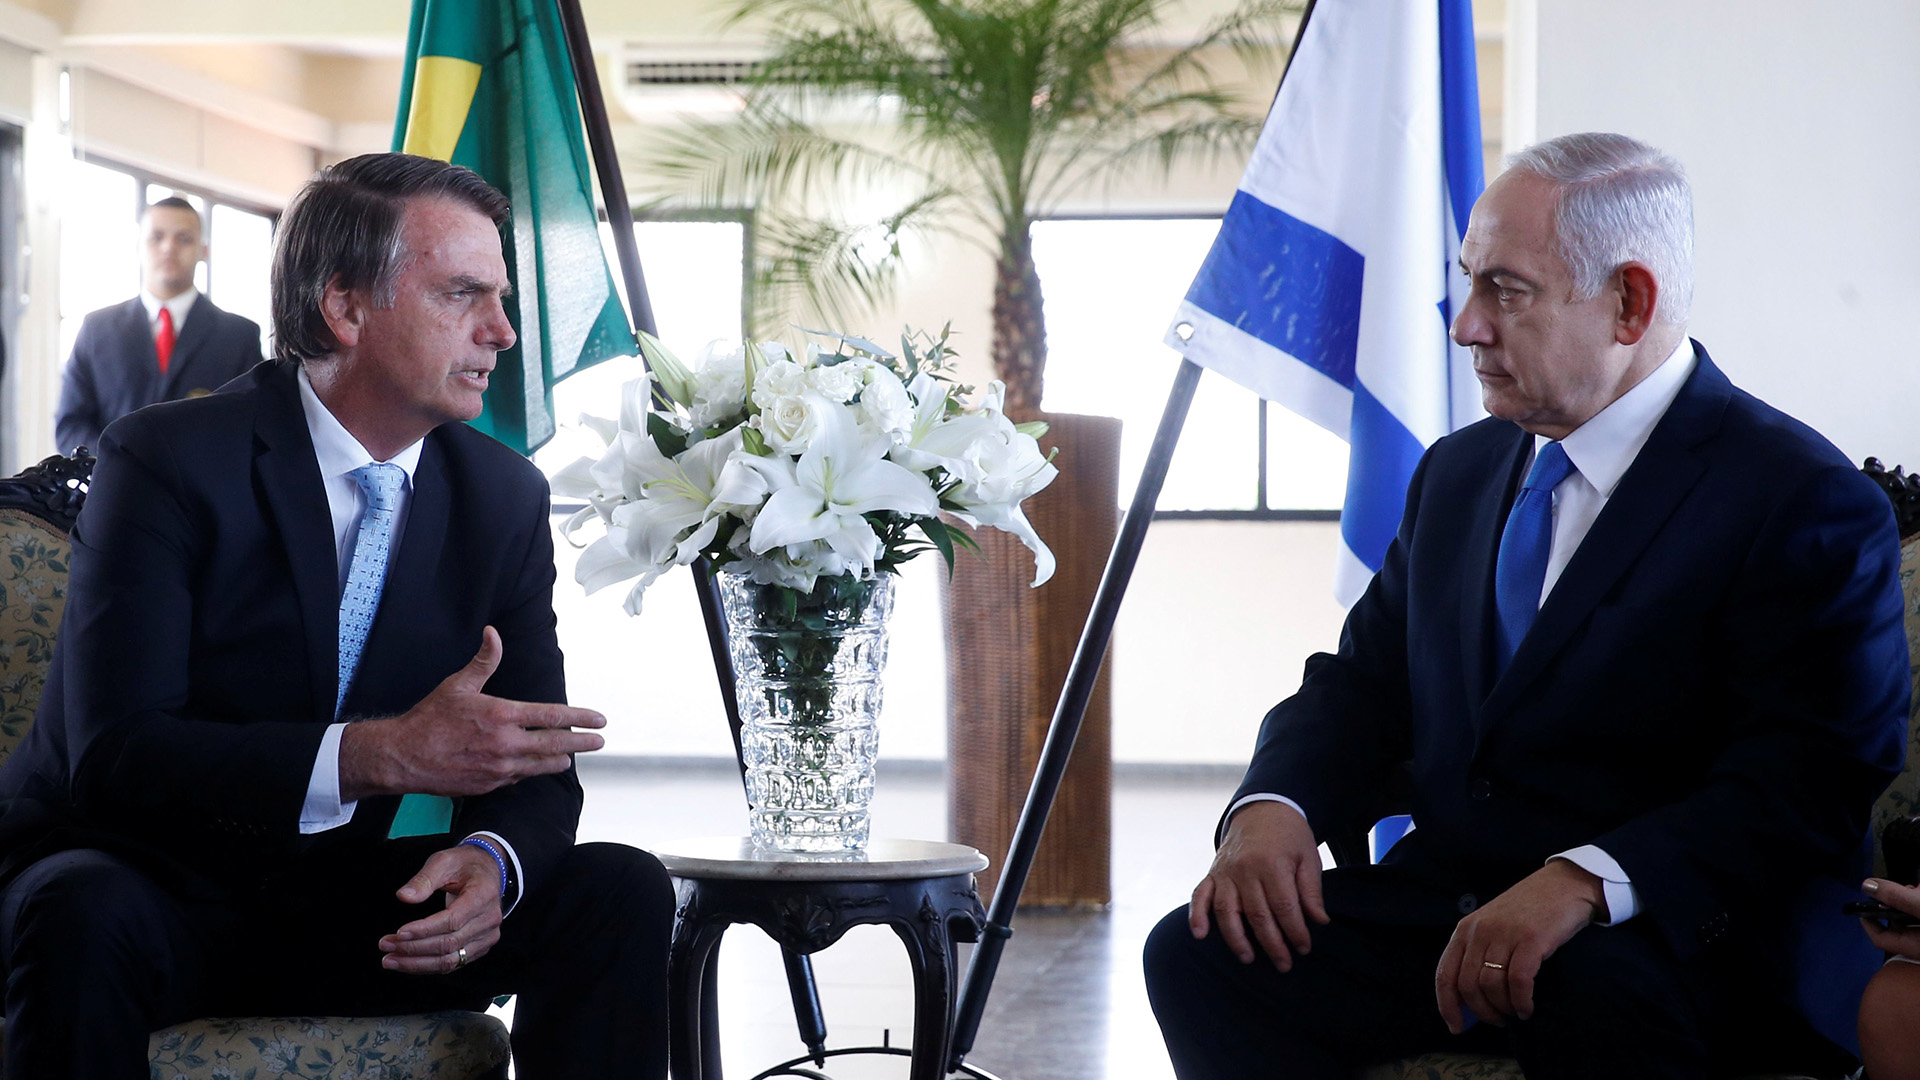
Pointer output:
x,y
735,858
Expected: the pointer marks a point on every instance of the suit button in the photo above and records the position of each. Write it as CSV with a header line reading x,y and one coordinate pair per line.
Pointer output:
x,y
1481,790
1468,903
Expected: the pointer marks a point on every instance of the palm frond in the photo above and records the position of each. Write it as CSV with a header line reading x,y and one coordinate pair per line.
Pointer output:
x,y
831,267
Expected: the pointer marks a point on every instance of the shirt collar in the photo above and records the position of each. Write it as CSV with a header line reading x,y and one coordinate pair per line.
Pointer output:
x,y
1603,447
179,305
339,453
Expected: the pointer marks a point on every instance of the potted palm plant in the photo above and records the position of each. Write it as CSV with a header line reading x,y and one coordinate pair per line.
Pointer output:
x,y
975,118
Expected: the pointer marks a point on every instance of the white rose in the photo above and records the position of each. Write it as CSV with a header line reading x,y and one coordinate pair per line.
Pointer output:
x,y
789,422
884,406
782,378
840,382
719,388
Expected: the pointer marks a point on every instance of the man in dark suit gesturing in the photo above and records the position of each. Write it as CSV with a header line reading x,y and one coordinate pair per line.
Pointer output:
x,y
1636,654
311,615
166,344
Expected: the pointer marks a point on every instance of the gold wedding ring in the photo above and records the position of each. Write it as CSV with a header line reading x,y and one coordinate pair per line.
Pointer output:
x,y
1483,963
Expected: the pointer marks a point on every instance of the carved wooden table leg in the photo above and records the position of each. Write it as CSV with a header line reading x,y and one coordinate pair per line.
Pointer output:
x,y
924,891
693,1051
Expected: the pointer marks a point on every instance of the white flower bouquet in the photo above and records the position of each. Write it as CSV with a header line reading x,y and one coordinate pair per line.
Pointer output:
x,y
834,463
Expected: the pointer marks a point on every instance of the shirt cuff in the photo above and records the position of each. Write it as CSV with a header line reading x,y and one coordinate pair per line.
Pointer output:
x,y
517,888
323,809
1261,796
1623,900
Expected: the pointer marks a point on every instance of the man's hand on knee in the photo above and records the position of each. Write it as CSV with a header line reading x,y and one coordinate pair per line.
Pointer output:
x,y
460,741
1265,876
459,935
1490,964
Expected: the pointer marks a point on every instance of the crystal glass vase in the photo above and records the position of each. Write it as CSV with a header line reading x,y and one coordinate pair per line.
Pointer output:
x,y
807,669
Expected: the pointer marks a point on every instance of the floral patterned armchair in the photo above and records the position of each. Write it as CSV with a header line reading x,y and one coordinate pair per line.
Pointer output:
x,y
37,508
1901,799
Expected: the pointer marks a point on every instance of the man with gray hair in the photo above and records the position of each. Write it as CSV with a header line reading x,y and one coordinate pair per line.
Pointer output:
x,y
305,748
1634,661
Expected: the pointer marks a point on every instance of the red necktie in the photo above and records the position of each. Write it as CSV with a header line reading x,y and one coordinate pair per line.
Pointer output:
x,y
163,341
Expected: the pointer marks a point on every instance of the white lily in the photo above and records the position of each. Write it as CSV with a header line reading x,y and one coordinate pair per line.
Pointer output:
x,y
1006,467
842,476
662,513
935,441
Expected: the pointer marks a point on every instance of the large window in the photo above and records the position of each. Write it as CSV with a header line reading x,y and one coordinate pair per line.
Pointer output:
x,y
100,246
694,272
1111,285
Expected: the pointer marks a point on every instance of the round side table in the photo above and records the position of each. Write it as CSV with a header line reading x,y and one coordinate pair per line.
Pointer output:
x,y
924,890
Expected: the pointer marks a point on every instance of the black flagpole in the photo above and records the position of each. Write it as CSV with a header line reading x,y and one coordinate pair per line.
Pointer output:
x,y
613,192
1078,690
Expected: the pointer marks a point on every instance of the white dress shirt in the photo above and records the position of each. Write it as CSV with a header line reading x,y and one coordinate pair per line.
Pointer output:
x,y
339,454
1601,450
179,306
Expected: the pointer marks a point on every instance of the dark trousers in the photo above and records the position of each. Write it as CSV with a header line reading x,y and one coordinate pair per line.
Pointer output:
x,y
1612,1002
96,955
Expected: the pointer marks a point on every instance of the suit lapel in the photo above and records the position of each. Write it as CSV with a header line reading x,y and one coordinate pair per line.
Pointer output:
x,y
1667,468
1480,552
136,331
289,477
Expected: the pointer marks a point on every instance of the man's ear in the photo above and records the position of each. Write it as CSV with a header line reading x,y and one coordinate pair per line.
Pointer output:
x,y
345,311
1639,295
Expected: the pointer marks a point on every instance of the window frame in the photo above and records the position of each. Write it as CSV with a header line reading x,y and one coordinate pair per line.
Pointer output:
x,y
144,178
1261,511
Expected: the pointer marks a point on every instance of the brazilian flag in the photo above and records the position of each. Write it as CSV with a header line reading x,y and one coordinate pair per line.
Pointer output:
x,y
488,85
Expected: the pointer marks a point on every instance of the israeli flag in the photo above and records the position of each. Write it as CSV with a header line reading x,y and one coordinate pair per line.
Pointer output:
x,y
1332,283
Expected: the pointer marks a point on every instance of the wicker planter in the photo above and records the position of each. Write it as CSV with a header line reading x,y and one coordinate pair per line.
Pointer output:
x,y
1008,650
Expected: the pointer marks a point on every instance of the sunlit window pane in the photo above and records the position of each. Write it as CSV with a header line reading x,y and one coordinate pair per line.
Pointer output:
x,y
99,254
694,277
1306,463
1110,288
240,260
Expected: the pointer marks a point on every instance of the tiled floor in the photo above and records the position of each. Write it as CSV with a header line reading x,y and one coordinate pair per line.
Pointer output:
x,y
1068,1003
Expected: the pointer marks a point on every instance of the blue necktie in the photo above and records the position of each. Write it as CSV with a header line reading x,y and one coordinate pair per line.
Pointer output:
x,y
360,602
1522,570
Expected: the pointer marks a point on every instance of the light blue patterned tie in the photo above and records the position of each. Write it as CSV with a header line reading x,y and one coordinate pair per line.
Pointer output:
x,y
360,602
1522,570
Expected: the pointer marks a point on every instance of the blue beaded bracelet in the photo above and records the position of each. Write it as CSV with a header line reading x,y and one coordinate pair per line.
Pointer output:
x,y
499,860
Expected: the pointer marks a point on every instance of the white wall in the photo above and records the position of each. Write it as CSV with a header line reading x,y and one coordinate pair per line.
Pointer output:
x,y
1800,126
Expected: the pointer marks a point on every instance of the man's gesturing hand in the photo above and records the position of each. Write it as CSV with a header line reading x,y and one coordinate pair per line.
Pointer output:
x,y
1490,964
1266,875
459,741
471,921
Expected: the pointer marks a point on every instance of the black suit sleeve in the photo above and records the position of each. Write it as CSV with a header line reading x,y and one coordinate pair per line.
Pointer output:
x,y
1817,684
1331,746
539,815
77,420
141,764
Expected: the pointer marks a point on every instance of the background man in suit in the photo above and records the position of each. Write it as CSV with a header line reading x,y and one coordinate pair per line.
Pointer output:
x,y
191,827
163,345
1637,647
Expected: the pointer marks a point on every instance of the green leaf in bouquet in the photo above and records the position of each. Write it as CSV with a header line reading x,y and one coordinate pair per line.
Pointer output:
x,y
754,442
942,538
670,440
1033,429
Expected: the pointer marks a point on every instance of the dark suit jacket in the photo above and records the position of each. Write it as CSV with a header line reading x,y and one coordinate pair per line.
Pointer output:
x,y
114,369
1714,693
196,666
